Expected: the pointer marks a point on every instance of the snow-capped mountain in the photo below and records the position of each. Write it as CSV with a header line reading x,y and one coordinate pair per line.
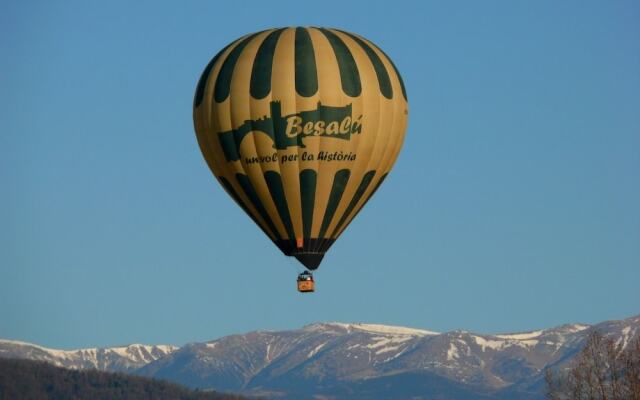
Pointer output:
x,y
364,361
121,359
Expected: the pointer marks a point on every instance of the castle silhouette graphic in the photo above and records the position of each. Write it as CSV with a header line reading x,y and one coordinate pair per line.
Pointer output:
x,y
290,130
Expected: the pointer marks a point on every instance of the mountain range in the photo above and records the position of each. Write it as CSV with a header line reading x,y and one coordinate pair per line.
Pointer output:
x,y
351,361
113,359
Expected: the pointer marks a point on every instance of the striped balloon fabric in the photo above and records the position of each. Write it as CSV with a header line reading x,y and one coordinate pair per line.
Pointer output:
x,y
301,126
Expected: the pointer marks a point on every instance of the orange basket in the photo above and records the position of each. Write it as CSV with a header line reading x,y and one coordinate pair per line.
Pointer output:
x,y
306,286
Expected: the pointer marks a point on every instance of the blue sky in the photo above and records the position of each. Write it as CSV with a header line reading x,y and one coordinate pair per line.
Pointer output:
x,y
514,205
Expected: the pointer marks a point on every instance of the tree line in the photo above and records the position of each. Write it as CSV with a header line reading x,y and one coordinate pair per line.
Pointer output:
x,y
38,380
603,370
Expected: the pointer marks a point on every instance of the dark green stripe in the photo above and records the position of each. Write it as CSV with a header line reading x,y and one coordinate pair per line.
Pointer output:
x,y
340,180
364,184
230,149
236,197
274,182
262,66
202,83
375,189
404,92
383,76
306,73
308,180
349,75
248,189
223,83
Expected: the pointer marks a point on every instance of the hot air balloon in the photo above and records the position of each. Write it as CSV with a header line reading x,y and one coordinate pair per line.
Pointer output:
x,y
301,126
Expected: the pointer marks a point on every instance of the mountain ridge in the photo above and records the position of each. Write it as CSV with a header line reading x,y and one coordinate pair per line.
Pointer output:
x,y
356,360
114,359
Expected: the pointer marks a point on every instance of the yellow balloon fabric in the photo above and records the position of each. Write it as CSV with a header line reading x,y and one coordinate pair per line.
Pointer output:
x,y
301,126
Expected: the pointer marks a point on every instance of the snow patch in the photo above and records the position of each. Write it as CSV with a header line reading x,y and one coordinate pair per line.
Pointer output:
x,y
381,329
522,336
626,337
166,348
392,330
133,352
577,328
382,344
387,349
393,357
121,351
497,345
52,352
492,344
381,341
316,350
452,352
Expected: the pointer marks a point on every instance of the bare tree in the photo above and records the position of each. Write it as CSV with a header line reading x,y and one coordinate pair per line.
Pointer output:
x,y
603,370
632,369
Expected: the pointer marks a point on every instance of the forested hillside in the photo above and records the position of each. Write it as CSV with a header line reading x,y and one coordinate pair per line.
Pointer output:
x,y
36,380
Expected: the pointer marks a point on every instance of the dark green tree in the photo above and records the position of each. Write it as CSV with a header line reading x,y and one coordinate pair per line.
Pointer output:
x,y
36,380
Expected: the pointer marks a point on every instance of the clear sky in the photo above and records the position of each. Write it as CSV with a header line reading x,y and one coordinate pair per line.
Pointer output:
x,y
514,205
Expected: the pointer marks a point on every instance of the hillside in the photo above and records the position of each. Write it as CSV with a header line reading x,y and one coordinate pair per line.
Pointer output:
x,y
37,380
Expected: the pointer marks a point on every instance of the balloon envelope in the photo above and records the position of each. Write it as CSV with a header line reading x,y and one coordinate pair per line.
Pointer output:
x,y
301,126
